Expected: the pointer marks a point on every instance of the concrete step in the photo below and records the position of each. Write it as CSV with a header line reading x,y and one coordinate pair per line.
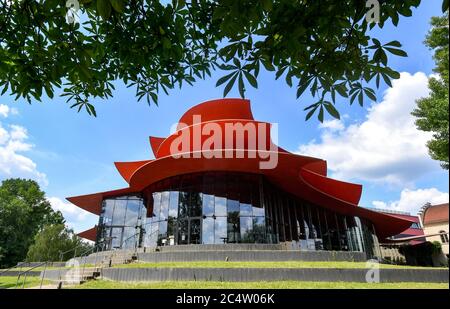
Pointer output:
x,y
251,255
274,274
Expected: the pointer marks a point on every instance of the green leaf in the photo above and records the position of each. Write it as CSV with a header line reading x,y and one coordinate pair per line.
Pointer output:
x,y
303,86
104,8
394,44
241,86
320,116
224,79
251,79
229,85
118,5
397,52
444,6
332,110
311,112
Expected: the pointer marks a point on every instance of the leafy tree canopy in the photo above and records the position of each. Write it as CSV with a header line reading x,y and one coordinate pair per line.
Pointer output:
x,y
24,211
53,240
154,46
432,111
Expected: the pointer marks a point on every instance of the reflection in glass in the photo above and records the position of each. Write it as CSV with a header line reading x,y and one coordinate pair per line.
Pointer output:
x,y
194,231
246,209
195,205
246,225
156,204
183,232
220,230
220,206
164,212
120,208
208,230
233,227
259,229
173,204
208,205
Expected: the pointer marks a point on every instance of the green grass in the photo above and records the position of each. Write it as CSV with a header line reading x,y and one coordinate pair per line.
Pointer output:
x,y
105,284
7,282
288,264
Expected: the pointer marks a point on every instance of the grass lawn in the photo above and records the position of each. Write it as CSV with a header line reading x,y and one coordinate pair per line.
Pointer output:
x,y
10,282
229,264
106,284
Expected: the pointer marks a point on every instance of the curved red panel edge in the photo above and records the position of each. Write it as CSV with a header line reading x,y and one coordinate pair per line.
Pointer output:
x,y
126,169
155,142
319,167
165,147
90,234
345,191
93,202
217,110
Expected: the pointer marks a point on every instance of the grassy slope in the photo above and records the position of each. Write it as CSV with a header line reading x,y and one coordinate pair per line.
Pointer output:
x,y
104,284
10,282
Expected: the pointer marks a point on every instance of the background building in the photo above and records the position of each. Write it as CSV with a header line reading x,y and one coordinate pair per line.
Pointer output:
x,y
435,224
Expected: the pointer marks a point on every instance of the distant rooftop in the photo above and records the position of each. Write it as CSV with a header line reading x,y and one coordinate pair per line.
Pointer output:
x,y
435,214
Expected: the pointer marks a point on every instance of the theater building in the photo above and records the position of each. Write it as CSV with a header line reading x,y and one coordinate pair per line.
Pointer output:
x,y
221,188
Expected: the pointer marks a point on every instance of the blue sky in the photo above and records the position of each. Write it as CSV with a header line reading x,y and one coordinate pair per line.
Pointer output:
x,y
72,153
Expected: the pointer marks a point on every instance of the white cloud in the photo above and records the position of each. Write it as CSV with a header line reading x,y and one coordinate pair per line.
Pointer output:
x,y
5,110
386,147
412,200
76,218
333,125
12,162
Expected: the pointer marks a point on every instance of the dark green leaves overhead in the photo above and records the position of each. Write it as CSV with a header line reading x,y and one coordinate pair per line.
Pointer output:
x,y
239,73
155,46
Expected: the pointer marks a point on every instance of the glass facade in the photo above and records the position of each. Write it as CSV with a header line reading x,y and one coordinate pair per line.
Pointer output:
x,y
218,208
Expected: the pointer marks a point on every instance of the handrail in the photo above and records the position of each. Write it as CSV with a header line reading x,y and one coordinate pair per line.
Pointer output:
x,y
26,273
12,267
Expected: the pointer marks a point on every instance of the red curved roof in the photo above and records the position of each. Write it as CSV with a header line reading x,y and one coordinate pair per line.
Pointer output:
x,y
299,175
90,234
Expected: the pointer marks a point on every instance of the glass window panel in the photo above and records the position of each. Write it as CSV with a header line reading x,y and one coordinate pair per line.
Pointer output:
x,y
129,238
258,211
195,229
116,237
246,225
246,209
164,206
220,230
196,205
233,227
220,206
259,229
183,230
232,207
156,204
133,207
162,233
108,211
184,204
171,229
208,205
120,209
173,204
208,230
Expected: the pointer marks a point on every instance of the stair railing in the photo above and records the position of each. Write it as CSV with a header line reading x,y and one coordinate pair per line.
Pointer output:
x,y
12,267
25,273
